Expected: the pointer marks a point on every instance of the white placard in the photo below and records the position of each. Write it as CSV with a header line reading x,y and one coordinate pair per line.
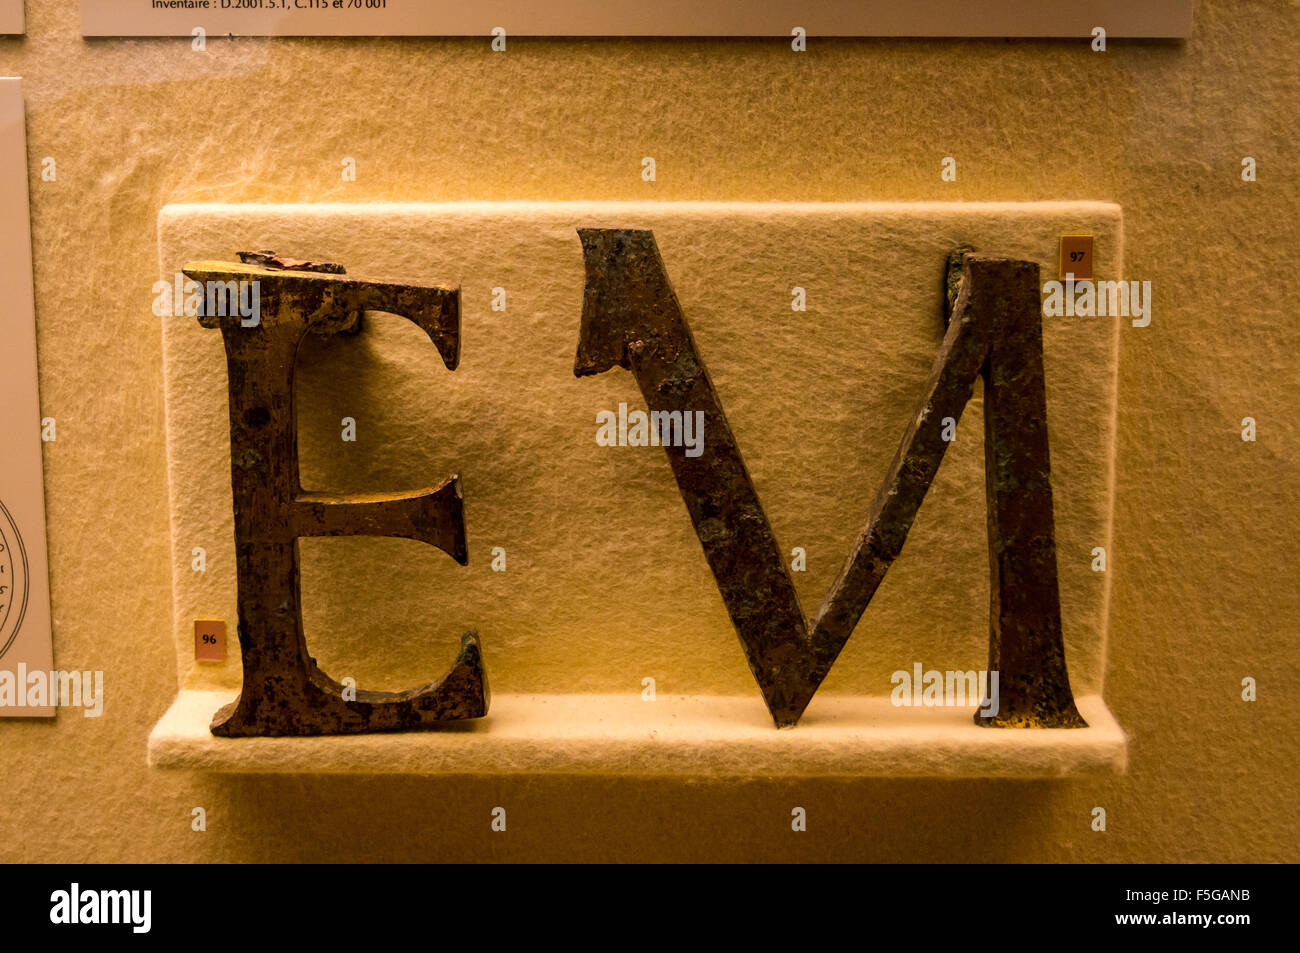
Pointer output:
x,y
991,18
25,645
11,17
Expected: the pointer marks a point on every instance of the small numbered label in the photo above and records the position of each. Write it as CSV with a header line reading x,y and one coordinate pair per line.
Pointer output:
x,y
1076,257
209,640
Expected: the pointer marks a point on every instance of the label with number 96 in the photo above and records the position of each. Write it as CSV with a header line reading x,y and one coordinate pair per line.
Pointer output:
x,y
209,640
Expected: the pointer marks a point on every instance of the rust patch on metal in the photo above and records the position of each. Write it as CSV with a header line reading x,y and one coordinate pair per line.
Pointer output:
x,y
273,262
631,318
284,692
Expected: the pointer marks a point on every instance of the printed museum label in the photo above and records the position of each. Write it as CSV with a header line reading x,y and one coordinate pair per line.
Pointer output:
x,y
24,580
502,18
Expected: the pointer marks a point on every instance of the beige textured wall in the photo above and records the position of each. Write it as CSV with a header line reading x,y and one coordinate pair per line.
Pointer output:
x,y
1205,559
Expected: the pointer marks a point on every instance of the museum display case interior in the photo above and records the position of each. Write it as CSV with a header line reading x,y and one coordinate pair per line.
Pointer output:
x,y
388,542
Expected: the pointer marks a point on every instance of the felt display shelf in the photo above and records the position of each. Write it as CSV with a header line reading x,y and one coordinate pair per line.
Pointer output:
x,y
683,736
818,323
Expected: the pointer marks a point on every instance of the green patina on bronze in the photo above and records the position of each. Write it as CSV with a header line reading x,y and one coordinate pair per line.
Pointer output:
x,y
284,692
631,318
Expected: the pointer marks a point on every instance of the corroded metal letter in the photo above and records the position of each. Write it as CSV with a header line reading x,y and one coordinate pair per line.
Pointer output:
x,y
284,691
631,318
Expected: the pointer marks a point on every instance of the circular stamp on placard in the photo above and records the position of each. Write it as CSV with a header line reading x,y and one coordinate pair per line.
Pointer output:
x,y
14,580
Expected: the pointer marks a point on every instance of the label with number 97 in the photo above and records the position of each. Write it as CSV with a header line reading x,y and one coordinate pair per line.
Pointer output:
x,y
1076,257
